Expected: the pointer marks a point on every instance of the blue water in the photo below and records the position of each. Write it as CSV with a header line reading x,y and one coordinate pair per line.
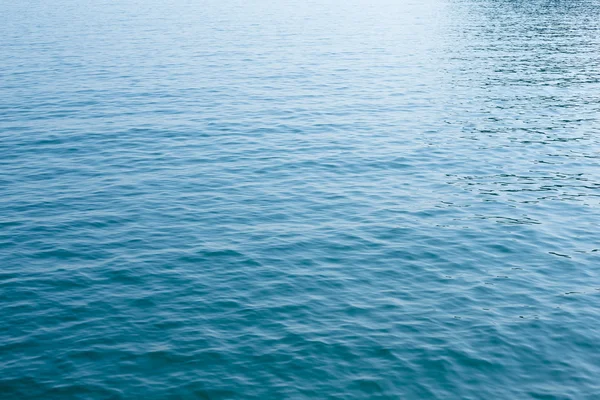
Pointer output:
x,y
300,200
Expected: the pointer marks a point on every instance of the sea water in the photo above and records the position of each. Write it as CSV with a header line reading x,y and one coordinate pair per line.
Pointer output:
x,y
300,199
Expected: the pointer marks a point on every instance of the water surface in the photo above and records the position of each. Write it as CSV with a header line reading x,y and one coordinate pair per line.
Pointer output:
x,y
300,200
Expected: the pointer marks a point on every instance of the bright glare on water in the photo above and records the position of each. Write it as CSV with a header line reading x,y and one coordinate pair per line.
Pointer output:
x,y
363,199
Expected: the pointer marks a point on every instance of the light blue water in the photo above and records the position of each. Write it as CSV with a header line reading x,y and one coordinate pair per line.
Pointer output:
x,y
300,200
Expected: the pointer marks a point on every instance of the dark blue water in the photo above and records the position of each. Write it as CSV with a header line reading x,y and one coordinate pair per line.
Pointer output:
x,y
300,200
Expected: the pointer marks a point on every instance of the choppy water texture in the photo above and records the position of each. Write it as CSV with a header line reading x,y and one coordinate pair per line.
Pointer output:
x,y
300,200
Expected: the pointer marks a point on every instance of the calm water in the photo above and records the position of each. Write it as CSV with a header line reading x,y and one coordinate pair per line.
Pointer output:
x,y
300,200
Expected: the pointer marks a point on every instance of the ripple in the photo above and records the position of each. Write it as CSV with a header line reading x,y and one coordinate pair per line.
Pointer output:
x,y
255,200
